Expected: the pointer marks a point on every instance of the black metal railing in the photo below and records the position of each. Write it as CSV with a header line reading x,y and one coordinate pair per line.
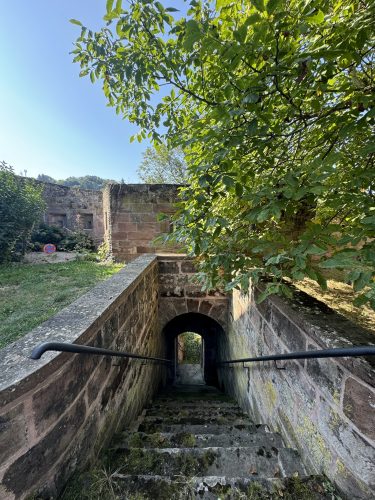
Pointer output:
x,y
342,352
39,350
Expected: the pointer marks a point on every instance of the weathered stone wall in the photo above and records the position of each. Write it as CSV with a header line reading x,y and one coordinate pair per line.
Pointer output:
x,y
131,212
179,293
56,413
326,407
75,208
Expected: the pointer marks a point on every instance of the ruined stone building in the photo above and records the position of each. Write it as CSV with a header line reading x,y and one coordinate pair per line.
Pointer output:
x,y
127,216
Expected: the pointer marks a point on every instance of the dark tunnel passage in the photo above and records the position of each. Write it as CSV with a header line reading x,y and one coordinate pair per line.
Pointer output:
x,y
210,331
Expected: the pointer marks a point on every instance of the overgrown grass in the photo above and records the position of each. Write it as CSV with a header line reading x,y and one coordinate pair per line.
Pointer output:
x,y
32,293
339,297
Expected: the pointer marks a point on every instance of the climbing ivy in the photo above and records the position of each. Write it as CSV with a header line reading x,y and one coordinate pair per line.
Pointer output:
x,y
272,103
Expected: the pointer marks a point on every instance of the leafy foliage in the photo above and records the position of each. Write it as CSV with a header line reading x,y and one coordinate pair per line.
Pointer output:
x,y
272,102
86,182
21,207
64,239
191,345
163,166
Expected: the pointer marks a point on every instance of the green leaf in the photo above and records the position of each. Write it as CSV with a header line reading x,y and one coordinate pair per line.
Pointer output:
x,y
258,4
338,261
250,98
368,149
360,300
272,5
192,35
369,220
109,6
363,279
228,181
315,250
239,189
317,18
74,21
264,214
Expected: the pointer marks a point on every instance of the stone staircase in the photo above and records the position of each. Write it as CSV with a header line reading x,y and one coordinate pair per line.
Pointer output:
x,y
194,442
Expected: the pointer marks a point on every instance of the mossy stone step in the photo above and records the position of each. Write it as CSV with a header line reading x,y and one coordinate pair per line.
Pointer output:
x,y
203,428
157,424
220,487
196,412
258,461
184,439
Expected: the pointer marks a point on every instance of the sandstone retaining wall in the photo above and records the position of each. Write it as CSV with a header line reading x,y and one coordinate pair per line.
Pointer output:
x,y
324,407
56,413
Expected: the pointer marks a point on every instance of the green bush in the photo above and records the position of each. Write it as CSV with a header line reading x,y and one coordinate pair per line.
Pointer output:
x,y
64,239
21,207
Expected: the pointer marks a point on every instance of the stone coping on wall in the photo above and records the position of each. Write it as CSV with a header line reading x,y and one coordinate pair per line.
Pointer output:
x,y
74,323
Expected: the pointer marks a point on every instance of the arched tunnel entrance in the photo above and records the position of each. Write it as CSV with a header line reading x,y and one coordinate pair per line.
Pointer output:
x,y
210,332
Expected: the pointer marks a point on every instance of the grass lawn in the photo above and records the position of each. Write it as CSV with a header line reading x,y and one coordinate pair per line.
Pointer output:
x,y
339,297
32,293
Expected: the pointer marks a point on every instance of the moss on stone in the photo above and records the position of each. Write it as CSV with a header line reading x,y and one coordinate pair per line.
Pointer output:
x,y
319,453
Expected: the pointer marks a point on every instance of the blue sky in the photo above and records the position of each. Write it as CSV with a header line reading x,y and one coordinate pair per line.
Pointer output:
x,y
52,121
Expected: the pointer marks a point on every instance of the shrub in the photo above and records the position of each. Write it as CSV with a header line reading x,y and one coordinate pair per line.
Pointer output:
x,y
64,239
21,207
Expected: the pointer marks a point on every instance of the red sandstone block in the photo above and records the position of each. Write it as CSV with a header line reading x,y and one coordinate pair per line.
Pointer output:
x,y
13,432
141,235
127,226
139,207
143,217
359,406
119,236
167,208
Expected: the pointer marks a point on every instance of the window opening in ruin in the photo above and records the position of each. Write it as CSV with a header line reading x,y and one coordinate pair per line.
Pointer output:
x,y
58,220
189,359
87,221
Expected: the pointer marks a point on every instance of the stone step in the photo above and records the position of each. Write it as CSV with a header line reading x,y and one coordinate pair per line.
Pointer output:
x,y
260,461
196,412
172,404
178,424
158,487
184,439
203,428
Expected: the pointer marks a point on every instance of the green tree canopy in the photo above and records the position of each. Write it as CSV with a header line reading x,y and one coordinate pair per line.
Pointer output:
x,y
163,166
272,102
85,182
21,207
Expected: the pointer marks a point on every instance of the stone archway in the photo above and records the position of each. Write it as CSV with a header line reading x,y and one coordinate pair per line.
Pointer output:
x,y
208,328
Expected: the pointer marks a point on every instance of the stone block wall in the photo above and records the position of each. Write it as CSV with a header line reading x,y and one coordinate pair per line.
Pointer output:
x,y
75,208
57,413
180,293
326,407
131,215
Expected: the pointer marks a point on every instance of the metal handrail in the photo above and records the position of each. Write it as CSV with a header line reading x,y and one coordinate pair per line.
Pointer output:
x,y
341,352
40,349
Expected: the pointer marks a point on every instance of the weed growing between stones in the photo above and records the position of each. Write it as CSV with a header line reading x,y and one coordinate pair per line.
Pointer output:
x,y
185,439
95,484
